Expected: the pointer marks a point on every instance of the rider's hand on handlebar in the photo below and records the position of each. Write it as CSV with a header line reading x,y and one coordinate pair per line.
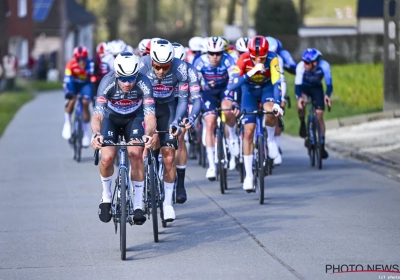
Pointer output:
x,y
148,141
328,101
189,122
300,103
277,110
97,140
236,109
174,130
283,104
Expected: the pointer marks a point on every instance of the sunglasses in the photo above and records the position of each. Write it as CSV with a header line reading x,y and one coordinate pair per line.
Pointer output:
x,y
163,67
127,79
82,59
260,57
215,53
307,62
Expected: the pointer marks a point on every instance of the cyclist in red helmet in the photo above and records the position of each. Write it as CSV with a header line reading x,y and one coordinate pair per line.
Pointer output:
x,y
77,80
257,73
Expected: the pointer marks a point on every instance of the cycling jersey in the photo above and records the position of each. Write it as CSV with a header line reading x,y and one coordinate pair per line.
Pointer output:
x,y
234,54
111,100
271,75
288,62
283,79
107,61
77,80
313,78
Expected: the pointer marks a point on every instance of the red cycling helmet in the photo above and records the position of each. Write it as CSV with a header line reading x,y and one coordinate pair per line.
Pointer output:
x,y
258,46
101,48
80,52
148,47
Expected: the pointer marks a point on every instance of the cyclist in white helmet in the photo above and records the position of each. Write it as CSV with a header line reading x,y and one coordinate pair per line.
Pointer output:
x,y
196,47
273,47
166,73
142,46
195,96
241,45
124,100
116,46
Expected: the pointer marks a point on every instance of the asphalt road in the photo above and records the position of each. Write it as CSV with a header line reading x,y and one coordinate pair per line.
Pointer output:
x,y
345,214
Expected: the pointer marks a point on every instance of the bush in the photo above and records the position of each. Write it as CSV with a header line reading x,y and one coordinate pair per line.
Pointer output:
x,y
276,17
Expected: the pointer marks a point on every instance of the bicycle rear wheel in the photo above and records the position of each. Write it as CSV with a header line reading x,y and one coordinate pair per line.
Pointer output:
x,y
153,203
221,160
261,171
318,145
78,140
311,145
122,228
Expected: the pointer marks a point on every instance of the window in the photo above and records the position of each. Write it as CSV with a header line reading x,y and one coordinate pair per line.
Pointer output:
x,y
22,8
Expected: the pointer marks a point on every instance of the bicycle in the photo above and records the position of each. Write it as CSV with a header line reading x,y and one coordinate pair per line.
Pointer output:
x,y
77,134
121,203
200,139
313,137
261,161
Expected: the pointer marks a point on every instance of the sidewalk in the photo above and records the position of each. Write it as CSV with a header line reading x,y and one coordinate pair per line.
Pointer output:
x,y
372,140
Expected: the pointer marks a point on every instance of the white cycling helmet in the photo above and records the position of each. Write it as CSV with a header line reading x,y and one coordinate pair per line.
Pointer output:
x,y
179,51
241,44
126,64
142,45
129,49
215,44
196,44
116,46
272,44
162,51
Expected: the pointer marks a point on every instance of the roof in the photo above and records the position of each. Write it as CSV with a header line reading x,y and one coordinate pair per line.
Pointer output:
x,y
370,8
77,14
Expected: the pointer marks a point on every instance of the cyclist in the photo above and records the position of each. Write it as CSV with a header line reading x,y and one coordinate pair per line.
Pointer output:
x,y
196,47
309,74
124,100
288,62
272,47
241,45
230,50
258,74
165,73
214,69
99,67
195,97
77,80
142,46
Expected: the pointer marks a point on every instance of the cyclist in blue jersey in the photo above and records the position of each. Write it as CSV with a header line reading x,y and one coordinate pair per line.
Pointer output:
x,y
309,74
215,68
288,62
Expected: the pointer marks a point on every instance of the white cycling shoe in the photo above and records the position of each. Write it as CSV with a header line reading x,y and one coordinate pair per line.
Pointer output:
x,y
66,132
248,183
234,146
278,160
232,163
169,213
273,151
211,174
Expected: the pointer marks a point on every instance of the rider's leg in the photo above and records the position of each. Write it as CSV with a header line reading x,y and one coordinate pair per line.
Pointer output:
x,y
277,138
69,108
302,114
230,122
168,155
270,122
106,171
318,101
180,162
210,120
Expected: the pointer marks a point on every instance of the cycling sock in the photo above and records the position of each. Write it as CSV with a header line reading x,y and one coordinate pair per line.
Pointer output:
x,y
87,128
138,201
210,156
302,119
278,140
271,133
248,165
106,196
168,188
232,132
180,171
67,117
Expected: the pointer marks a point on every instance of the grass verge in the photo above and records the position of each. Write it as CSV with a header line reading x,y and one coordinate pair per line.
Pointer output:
x,y
357,89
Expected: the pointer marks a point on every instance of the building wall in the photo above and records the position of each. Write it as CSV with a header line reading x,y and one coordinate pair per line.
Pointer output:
x,y
370,26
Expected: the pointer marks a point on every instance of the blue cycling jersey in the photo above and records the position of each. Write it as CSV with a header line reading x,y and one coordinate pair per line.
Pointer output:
x,y
314,77
288,62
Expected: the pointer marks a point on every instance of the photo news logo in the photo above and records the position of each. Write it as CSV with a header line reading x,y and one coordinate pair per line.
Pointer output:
x,y
350,268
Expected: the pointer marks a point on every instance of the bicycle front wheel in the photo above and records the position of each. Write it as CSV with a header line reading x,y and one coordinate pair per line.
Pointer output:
x,y
153,203
122,231
78,140
221,160
318,144
261,167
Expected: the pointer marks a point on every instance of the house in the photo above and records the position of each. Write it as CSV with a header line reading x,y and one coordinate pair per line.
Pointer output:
x,y
48,30
370,17
16,20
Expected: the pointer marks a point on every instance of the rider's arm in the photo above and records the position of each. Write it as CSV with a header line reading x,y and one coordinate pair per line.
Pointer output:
x,y
289,63
238,77
298,81
149,110
198,65
327,76
68,78
276,79
183,93
194,89
283,80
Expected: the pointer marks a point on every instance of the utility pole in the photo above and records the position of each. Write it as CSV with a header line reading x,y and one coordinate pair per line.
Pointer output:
x,y
63,33
204,18
245,17
391,58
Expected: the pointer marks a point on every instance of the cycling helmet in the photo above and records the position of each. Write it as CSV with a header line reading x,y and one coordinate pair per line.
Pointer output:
x,y
226,42
272,44
196,44
129,49
142,45
117,46
241,44
311,55
279,45
215,44
80,52
258,46
162,51
102,48
179,51
126,64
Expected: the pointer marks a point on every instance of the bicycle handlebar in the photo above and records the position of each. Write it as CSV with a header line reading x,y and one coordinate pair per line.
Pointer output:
x,y
259,113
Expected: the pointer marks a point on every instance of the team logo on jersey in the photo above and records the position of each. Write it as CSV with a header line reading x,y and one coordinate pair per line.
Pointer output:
x,y
144,87
101,99
183,70
148,101
125,102
192,75
184,87
162,88
277,68
195,88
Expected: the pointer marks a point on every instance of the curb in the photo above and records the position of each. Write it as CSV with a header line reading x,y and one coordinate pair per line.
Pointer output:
x,y
365,157
340,122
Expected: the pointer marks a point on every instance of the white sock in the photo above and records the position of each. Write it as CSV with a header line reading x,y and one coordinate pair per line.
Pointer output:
x,y
210,156
278,140
87,128
232,132
248,165
138,201
67,117
106,195
271,133
168,189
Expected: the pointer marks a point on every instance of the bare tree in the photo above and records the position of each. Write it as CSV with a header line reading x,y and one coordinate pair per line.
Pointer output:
x,y
231,12
112,18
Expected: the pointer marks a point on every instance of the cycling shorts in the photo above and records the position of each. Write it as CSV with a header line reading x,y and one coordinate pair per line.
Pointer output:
x,y
212,100
251,96
165,114
317,95
132,126
85,89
